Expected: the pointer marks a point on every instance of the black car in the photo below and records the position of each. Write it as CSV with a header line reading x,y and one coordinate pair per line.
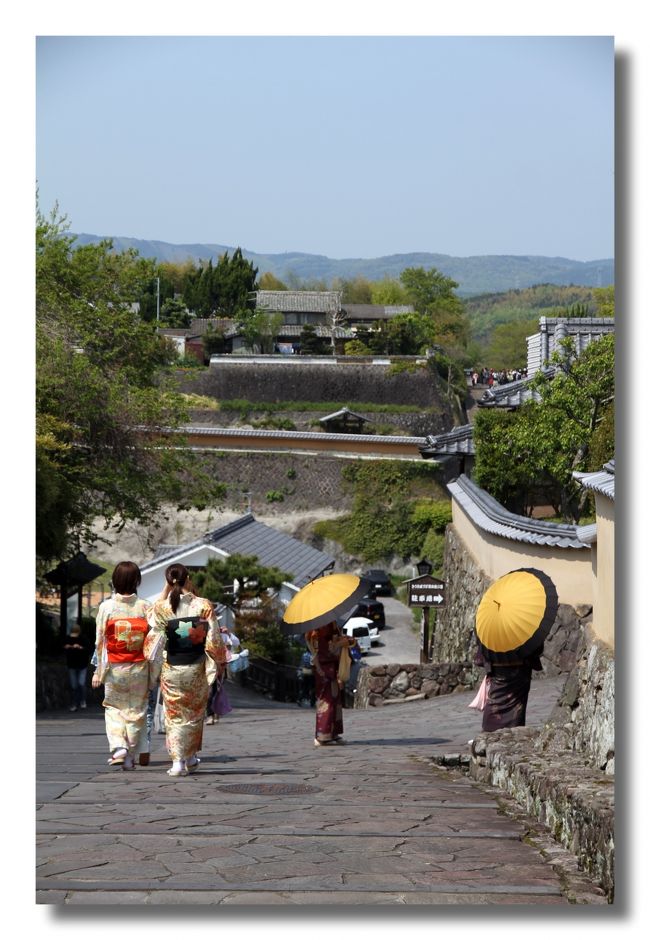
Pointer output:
x,y
371,608
379,580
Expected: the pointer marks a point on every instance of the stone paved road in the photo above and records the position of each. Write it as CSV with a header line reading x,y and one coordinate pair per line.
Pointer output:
x,y
270,819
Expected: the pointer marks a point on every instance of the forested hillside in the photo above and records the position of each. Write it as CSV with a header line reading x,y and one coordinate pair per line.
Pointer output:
x,y
474,275
487,311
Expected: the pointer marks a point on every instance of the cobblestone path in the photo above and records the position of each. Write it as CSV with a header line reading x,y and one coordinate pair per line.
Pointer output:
x,y
270,819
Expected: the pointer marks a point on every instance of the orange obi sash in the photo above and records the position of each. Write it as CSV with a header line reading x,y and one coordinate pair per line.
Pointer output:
x,y
125,639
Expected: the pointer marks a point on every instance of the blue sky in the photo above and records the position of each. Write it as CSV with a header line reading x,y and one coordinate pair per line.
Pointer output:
x,y
347,146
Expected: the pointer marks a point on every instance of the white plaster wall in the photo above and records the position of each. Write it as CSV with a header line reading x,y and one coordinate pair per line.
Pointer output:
x,y
603,585
153,580
570,569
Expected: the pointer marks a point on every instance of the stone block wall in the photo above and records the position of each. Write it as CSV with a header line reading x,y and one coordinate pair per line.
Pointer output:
x,y
304,482
585,710
556,786
379,684
261,382
453,638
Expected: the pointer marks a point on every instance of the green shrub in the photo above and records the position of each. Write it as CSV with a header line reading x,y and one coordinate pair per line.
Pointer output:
x,y
274,424
275,496
433,513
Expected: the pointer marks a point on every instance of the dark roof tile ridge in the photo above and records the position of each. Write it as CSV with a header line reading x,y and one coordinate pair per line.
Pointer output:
x,y
498,513
229,528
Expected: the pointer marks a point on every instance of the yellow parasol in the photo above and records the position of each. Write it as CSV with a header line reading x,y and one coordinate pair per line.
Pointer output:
x,y
322,601
515,615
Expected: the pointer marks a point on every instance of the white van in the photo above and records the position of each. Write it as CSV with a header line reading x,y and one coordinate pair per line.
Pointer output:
x,y
362,630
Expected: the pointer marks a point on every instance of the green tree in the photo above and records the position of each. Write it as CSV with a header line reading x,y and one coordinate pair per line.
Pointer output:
x,y
432,294
99,377
408,334
357,290
541,445
174,314
354,347
260,329
311,344
223,289
269,281
388,292
507,348
605,301
214,340
255,604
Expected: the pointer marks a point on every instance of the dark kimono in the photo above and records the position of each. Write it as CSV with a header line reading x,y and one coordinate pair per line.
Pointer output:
x,y
508,688
329,702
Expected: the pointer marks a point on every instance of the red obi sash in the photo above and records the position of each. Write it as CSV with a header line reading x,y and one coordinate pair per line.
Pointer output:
x,y
125,639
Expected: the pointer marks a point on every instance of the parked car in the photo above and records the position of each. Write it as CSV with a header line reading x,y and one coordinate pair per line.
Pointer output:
x,y
371,608
362,630
380,581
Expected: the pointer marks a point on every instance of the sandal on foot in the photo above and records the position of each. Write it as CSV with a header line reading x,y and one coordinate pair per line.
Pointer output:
x,y
181,772
194,766
118,755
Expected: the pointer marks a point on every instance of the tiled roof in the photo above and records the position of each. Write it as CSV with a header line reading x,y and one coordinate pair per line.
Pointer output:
x,y
247,536
602,481
302,301
457,441
315,436
491,516
374,311
343,412
200,325
512,394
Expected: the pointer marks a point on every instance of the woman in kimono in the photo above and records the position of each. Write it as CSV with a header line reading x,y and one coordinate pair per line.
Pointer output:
x,y
331,664
194,654
123,650
508,686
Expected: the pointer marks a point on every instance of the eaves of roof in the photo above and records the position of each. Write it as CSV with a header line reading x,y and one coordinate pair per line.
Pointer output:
x,y
315,436
512,394
492,517
457,441
602,481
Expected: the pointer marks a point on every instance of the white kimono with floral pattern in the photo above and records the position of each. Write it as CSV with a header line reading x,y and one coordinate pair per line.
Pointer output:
x,y
126,685
185,688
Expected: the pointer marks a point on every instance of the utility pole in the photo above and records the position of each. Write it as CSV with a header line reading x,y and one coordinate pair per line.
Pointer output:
x,y
157,299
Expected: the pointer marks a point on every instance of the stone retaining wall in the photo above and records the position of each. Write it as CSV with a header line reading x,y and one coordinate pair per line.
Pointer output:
x,y
280,482
380,684
584,714
297,381
554,785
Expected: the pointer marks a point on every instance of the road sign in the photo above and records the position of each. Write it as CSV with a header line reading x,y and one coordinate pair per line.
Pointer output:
x,y
426,592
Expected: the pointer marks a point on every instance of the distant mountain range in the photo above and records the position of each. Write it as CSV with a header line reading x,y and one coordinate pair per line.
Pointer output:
x,y
475,275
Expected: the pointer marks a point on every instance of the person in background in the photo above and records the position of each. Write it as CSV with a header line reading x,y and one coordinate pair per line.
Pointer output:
x,y
328,647
188,630
77,655
124,650
217,698
306,679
